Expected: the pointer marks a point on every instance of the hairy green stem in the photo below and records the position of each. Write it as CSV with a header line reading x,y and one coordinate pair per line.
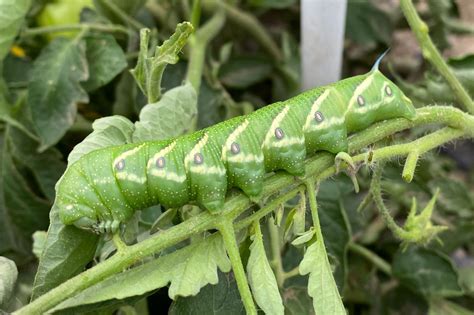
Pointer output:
x,y
196,13
123,15
226,228
275,247
250,24
292,273
198,43
106,28
376,260
431,53
313,205
410,165
375,188
318,167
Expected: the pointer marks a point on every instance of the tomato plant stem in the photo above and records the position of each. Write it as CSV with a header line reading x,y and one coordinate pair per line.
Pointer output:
x,y
106,28
319,167
275,246
226,228
378,262
431,53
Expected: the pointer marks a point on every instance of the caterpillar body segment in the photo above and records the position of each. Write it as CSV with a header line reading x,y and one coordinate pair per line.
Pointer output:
x,y
104,187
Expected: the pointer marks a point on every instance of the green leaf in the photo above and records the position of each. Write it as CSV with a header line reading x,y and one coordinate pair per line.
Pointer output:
x,y
169,117
54,89
399,301
444,307
108,131
366,24
220,299
321,286
210,106
454,197
105,60
22,211
129,7
46,167
149,70
466,276
187,269
304,237
427,272
261,278
8,275
272,4
12,14
335,225
297,301
242,72
66,252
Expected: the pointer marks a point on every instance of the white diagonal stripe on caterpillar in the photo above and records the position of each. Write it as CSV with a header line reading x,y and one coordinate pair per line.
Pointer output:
x,y
233,137
275,123
358,91
196,149
151,162
314,108
128,153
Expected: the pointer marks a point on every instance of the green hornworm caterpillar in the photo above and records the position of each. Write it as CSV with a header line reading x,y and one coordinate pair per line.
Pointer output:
x,y
104,187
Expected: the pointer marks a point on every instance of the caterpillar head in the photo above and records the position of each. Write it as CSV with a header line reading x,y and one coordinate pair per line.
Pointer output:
x,y
78,203
377,98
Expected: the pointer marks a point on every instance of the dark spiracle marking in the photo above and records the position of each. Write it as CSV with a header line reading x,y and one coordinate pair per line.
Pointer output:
x,y
235,148
160,162
279,134
361,100
388,90
318,116
120,165
198,158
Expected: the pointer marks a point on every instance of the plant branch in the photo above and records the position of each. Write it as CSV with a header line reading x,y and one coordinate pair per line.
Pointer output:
x,y
376,260
198,44
318,167
123,15
276,252
250,24
226,228
106,28
431,53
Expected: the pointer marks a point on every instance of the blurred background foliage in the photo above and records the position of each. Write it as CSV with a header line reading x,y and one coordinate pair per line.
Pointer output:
x,y
54,85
